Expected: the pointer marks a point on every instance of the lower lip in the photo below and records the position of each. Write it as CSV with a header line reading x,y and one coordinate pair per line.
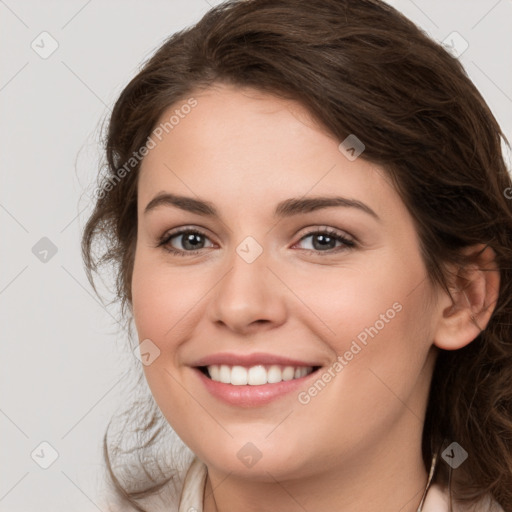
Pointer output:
x,y
251,396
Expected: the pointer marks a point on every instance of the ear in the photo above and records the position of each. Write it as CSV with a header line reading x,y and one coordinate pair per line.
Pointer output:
x,y
474,289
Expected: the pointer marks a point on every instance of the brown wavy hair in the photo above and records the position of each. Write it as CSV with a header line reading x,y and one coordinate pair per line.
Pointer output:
x,y
361,67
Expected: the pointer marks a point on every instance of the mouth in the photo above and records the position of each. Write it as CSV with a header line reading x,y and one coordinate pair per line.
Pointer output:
x,y
257,375
255,379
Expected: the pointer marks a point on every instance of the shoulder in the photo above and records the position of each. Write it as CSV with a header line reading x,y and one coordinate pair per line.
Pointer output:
x,y
438,500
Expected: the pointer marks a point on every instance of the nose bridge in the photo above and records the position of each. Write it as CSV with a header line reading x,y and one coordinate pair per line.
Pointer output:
x,y
247,292
247,268
250,250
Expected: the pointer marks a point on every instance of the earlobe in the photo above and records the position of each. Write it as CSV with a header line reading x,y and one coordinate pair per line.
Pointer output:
x,y
475,290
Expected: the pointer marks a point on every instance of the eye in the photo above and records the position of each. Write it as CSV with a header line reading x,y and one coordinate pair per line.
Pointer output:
x,y
192,241
324,241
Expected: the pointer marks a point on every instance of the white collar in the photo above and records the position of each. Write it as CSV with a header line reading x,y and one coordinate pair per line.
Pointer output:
x,y
192,493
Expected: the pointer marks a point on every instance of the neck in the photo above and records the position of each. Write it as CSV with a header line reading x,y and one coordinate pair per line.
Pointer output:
x,y
390,478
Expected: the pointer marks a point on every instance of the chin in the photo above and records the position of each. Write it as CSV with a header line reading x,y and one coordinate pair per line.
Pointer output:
x,y
260,460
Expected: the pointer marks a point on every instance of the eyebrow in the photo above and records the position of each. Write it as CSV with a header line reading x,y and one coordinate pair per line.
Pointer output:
x,y
287,208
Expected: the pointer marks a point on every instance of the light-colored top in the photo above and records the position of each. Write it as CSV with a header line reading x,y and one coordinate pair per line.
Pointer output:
x,y
437,498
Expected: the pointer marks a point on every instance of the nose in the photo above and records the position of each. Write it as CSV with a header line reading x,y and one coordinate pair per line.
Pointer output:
x,y
249,297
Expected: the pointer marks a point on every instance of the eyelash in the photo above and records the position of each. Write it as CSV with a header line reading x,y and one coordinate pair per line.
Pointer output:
x,y
164,241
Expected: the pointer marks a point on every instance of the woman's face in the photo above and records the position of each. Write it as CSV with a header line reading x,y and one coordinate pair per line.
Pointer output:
x,y
263,292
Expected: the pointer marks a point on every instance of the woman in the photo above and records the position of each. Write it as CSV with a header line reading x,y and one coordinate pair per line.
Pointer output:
x,y
306,203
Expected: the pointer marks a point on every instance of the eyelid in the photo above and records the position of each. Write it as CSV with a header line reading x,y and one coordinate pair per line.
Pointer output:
x,y
347,240
168,235
316,228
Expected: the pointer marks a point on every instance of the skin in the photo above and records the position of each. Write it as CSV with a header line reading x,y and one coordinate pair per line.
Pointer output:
x,y
356,445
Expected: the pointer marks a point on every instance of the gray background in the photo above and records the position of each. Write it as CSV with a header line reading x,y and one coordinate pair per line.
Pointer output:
x,y
62,358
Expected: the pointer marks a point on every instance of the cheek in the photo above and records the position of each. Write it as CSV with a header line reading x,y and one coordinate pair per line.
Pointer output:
x,y
379,326
163,300
164,304
363,306
379,366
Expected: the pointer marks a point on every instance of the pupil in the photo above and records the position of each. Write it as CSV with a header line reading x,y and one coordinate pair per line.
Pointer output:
x,y
324,241
193,239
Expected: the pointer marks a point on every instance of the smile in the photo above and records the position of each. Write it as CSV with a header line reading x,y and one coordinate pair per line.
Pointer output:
x,y
257,375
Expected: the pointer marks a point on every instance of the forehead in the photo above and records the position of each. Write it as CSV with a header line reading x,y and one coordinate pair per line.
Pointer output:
x,y
244,147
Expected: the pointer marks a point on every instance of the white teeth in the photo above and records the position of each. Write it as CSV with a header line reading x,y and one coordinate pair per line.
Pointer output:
x,y
224,374
274,374
214,372
256,375
238,376
288,373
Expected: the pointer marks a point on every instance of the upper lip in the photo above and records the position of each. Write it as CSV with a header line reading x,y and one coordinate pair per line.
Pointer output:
x,y
249,360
